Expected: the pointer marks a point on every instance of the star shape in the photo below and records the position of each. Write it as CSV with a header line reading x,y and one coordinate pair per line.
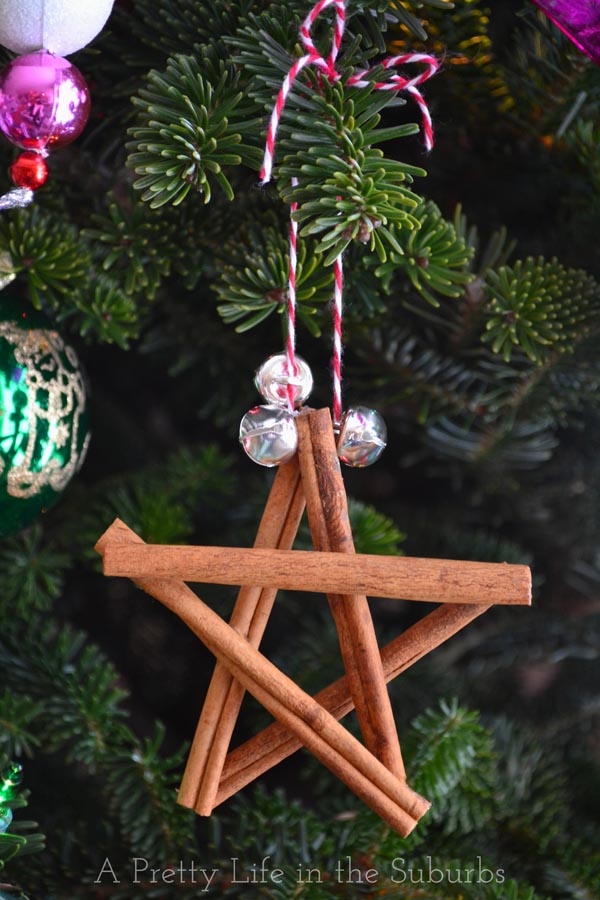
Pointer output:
x,y
375,770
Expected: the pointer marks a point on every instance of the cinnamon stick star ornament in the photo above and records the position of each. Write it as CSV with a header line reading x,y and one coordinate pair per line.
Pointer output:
x,y
375,770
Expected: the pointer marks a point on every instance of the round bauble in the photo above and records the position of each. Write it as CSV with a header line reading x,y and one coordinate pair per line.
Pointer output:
x,y
272,380
43,415
363,437
269,435
61,26
6,817
44,101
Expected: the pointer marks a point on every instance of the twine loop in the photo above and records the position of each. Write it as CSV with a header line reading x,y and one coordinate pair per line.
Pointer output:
x,y
326,65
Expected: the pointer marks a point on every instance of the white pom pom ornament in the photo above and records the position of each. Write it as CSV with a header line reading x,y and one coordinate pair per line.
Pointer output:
x,y
61,26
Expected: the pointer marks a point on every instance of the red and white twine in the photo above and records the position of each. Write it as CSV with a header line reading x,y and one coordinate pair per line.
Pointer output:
x,y
292,368
336,358
326,65
400,83
312,58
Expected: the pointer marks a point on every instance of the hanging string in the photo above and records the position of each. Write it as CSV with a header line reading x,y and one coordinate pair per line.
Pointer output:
x,y
400,83
326,65
313,58
292,368
336,359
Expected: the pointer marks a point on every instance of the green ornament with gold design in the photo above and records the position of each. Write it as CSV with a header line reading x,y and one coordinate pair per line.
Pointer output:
x,y
43,414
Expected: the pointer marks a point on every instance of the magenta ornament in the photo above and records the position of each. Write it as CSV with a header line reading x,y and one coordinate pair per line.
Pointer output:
x,y
580,21
44,101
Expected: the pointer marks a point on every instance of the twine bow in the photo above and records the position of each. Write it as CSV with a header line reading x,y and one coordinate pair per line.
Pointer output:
x,y
327,66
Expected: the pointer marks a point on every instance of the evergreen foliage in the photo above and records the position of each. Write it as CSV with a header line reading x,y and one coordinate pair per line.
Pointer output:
x,y
249,291
523,310
16,837
471,323
433,256
190,129
142,249
47,252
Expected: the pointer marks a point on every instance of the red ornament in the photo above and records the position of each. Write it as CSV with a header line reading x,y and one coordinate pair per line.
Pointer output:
x,y
29,170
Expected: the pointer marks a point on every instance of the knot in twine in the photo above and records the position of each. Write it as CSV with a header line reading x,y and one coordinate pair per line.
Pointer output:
x,y
326,66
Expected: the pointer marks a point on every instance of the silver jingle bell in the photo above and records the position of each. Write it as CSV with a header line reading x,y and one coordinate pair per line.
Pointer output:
x,y
269,435
363,437
272,380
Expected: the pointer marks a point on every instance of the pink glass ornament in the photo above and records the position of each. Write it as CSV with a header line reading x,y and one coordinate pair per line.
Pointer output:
x,y
44,101
580,21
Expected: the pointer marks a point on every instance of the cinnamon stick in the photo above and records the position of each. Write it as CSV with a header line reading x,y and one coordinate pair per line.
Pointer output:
x,y
327,510
278,528
396,577
366,786
274,744
392,799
